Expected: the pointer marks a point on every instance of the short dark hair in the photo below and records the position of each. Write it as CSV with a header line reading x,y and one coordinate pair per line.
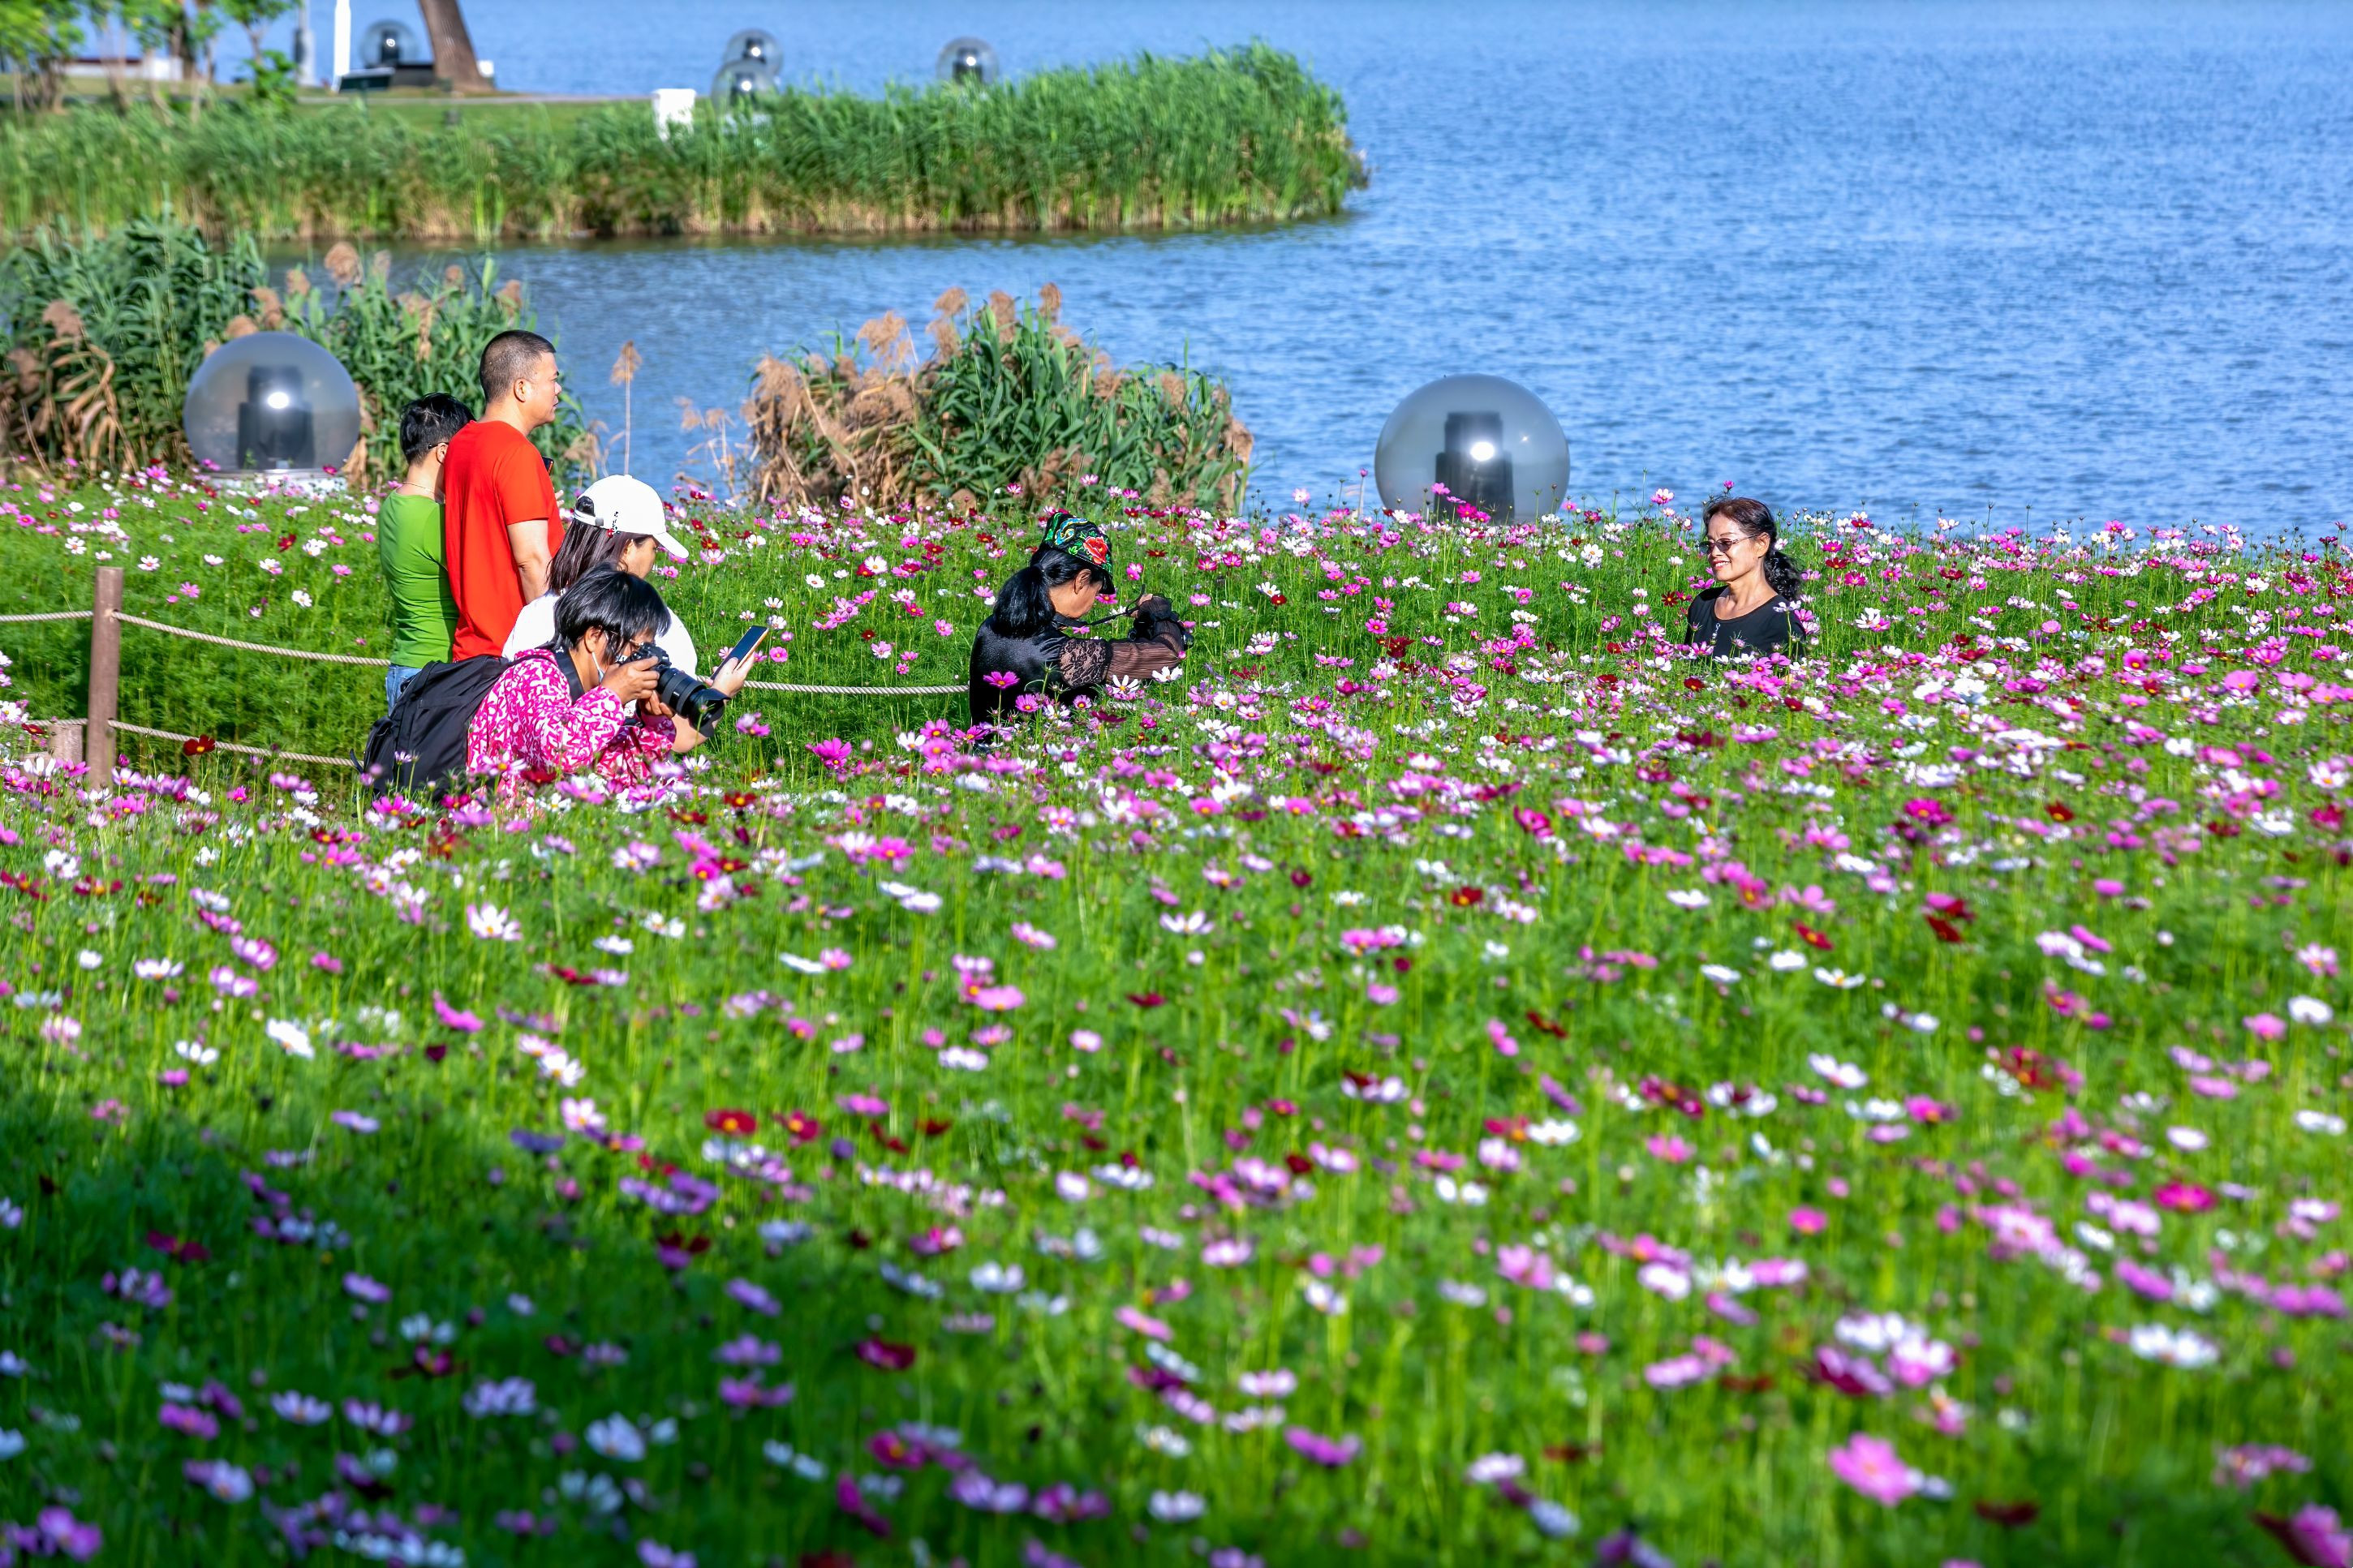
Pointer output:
x,y
626,609
508,358
429,421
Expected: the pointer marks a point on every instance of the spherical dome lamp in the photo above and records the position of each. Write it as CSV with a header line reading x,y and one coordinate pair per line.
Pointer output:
x,y
967,62
741,82
756,44
390,43
1472,442
271,403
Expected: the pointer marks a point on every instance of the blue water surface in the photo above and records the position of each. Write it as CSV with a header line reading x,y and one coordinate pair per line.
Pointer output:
x,y
1962,260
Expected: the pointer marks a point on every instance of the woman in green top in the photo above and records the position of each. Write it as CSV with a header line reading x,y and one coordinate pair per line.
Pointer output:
x,y
408,540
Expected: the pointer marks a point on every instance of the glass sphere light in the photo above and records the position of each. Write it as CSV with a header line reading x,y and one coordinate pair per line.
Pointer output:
x,y
271,403
754,43
390,43
742,81
968,62
1472,442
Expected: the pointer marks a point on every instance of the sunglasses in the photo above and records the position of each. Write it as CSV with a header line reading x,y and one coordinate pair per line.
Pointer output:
x,y
1721,546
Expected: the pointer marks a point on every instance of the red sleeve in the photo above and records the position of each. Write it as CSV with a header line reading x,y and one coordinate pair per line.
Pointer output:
x,y
523,490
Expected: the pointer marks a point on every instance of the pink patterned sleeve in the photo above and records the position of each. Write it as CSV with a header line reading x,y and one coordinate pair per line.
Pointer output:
x,y
639,745
557,733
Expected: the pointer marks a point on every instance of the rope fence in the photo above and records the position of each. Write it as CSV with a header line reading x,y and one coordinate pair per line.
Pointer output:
x,y
170,630
96,733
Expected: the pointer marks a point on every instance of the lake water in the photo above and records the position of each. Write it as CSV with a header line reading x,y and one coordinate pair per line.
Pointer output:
x,y
1957,259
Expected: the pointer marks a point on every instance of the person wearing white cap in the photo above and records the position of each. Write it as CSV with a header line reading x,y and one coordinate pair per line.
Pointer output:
x,y
617,521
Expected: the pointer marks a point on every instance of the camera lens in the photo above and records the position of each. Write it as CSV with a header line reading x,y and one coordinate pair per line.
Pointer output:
x,y
684,694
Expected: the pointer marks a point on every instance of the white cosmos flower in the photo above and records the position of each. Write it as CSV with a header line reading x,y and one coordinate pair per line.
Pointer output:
x,y
1175,1508
493,923
294,1038
1839,978
2173,1347
1719,974
1846,1074
2310,1010
618,1438
996,1278
1785,960
1688,899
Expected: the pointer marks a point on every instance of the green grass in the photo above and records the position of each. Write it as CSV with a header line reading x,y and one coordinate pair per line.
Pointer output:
x,y
1385,830
1233,136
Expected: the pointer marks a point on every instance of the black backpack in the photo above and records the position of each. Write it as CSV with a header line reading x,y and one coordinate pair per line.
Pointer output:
x,y
421,743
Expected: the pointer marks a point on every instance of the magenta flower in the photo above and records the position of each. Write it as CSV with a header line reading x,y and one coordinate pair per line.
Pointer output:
x,y
364,1289
997,998
2314,1537
452,1018
754,1297
1872,1467
1330,1453
2265,1026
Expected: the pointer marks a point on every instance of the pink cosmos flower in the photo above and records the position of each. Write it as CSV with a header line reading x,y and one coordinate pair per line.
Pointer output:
x,y
2313,1537
2265,1026
1872,1467
1330,1453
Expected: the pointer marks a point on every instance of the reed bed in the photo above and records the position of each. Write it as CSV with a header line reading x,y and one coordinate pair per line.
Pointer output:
x,y
1241,135
1008,401
102,333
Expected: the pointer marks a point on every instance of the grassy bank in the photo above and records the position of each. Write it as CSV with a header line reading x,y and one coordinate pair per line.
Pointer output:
x,y
1439,1077
1236,136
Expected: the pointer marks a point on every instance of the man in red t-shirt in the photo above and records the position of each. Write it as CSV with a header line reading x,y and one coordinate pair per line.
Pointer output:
x,y
499,523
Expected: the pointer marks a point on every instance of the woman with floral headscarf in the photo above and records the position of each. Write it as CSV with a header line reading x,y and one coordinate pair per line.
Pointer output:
x,y
1026,653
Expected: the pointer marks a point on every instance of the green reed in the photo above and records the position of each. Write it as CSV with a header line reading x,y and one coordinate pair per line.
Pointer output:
x,y
1236,135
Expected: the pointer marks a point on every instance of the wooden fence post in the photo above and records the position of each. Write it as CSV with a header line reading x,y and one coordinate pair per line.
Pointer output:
x,y
105,673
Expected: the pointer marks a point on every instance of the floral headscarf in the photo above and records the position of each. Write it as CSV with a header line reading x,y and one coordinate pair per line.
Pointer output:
x,y
1080,537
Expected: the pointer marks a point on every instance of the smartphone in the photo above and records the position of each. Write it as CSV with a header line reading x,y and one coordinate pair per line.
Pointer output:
x,y
746,646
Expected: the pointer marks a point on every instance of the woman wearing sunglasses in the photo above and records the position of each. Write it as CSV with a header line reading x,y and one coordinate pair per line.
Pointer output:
x,y
1751,609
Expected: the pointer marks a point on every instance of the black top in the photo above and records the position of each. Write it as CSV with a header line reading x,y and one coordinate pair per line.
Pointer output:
x,y
1770,627
1057,665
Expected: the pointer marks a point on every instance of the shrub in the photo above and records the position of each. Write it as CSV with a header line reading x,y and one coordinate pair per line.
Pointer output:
x,y
1009,396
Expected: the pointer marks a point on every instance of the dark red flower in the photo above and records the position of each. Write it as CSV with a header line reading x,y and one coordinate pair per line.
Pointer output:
x,y
734,1123
1465,896
1811,937
876,1352
1147,999
197,745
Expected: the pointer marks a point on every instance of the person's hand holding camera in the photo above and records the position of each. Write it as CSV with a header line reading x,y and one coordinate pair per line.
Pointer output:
x,y
636,680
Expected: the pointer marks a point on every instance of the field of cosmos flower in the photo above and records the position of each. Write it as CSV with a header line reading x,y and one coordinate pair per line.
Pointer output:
x,y
1445,1079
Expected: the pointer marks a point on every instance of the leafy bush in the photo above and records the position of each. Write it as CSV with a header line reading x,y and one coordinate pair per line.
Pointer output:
x,y
103,333
1008,396
1242,135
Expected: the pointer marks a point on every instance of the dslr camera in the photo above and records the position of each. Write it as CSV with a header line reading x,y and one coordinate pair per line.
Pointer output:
x,y
684,693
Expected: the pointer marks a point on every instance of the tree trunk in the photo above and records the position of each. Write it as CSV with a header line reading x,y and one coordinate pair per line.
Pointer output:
x,y
453,46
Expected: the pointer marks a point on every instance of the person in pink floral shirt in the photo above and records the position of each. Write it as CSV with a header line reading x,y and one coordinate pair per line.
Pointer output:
x,y
567,708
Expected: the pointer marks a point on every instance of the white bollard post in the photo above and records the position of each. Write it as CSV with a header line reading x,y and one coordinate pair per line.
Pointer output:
x,y
342,43
673,106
